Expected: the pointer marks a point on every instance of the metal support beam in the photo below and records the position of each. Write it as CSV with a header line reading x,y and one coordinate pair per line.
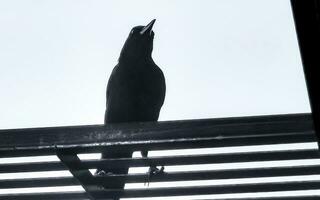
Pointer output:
x,y
71,160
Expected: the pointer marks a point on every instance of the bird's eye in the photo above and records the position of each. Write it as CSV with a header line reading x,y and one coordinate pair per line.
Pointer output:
x,y
132,31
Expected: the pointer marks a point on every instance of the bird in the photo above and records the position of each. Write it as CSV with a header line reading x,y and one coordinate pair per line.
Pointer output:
x,y
135,92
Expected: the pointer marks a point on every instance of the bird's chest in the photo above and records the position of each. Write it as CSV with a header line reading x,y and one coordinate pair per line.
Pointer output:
x,y
135,84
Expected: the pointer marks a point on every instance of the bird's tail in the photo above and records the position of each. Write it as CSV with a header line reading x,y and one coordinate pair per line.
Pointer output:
x,y
115,184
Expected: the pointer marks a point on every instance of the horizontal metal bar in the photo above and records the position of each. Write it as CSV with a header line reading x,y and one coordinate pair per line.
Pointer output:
x,y
214,174
47,196
122,134
217,189
166,160
38,182
171,176
195,190
26,153
202,159
81,196
32,167
205,142
210,142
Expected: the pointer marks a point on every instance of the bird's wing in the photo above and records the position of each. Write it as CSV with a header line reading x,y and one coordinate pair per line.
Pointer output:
x,y
162,86
110,81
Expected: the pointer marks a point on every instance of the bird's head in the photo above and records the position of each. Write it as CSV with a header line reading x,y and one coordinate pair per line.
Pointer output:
x,y
139,43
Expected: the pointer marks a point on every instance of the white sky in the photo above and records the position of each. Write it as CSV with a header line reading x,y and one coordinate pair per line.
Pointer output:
x,y
220,58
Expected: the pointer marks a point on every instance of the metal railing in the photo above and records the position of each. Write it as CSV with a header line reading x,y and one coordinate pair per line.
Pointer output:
x,y
67,142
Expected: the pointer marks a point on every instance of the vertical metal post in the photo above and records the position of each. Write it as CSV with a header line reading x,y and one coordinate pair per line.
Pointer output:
x,y
307,20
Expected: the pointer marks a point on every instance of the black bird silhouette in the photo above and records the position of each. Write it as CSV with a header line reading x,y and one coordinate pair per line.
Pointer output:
x,y
135,92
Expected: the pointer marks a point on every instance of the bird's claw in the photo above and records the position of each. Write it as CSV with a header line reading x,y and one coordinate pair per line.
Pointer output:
x,y
153,171
156,171
103,173
100,173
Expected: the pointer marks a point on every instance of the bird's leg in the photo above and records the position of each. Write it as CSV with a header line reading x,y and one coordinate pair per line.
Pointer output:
x,y
153,169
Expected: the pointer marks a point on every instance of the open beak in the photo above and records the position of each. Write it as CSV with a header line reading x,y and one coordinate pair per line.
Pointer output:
x,y
147,29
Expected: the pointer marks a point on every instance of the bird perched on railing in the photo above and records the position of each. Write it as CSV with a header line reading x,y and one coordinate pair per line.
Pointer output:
x,y
136,90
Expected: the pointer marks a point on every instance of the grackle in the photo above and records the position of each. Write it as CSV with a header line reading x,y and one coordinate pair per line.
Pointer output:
x,y
135,92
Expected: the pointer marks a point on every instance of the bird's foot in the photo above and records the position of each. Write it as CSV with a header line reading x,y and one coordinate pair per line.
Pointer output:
x,y
103,173
153,171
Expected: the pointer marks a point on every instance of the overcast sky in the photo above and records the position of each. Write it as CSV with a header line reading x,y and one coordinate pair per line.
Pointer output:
x,y
221,58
